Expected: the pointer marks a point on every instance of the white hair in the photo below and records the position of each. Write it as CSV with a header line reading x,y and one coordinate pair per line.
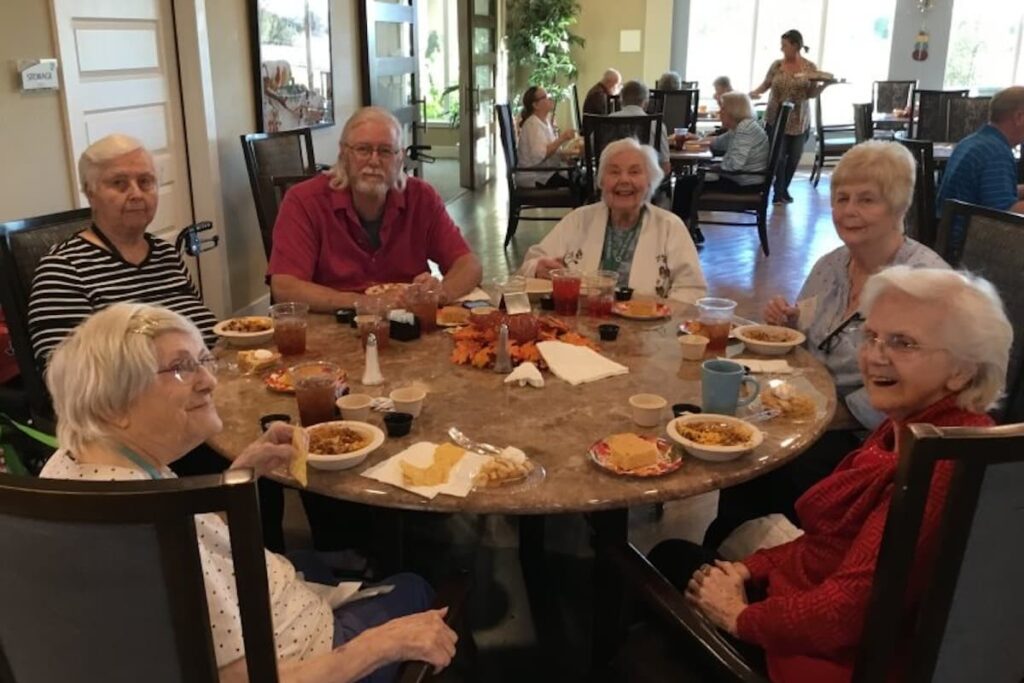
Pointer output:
x,y
737,105
99,370
611,76
654,172
102,152
339,178
888,165
975,329
670,80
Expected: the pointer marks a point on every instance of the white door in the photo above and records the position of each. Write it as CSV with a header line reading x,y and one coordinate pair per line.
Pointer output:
x,y
121,76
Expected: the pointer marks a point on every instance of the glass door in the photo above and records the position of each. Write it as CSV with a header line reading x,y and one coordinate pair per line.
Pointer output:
x,y
478,24
391,76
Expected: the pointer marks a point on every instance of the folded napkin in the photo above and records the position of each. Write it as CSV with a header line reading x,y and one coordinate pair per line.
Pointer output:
x,y
460,479
476,295
757,365
526,373
578,364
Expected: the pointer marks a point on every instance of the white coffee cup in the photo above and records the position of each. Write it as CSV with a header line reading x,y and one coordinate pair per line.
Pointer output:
x,y
355,407
408,400
647,409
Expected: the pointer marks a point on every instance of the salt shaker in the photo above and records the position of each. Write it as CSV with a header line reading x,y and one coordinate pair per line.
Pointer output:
x,y
371,373
502,358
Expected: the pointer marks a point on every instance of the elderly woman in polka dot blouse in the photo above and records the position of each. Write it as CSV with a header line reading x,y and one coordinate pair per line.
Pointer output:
x,y
133,391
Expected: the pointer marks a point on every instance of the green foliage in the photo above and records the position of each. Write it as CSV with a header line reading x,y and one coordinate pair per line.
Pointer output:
x,y
540,40
277,30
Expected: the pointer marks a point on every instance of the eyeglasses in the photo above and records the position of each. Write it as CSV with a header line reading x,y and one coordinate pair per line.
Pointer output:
x,y
829,343
893,344
184,370
364,152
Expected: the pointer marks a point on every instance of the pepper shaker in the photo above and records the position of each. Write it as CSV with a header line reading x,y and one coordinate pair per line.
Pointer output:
x,y
503,359
371,373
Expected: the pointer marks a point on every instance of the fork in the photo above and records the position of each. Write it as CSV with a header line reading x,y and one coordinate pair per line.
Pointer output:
x,y
461,439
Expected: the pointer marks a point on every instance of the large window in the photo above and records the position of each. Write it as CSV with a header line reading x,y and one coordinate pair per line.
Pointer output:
x,y
439,59
740,39
985,52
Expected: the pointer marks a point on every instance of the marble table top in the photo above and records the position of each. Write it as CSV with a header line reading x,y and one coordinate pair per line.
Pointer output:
x,y
554,425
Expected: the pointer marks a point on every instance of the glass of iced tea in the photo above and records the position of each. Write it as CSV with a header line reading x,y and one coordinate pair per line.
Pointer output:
x,y
598,293
565,290
715,317
316,389
422,299
372,316
290,321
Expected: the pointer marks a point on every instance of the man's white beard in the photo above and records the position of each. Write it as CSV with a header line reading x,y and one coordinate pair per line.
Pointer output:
x,y
374,186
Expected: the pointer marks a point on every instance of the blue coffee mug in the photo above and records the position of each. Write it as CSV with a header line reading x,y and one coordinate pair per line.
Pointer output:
x,y
720,386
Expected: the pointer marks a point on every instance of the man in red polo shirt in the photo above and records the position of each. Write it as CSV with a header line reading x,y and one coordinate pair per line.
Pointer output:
x,y
363,223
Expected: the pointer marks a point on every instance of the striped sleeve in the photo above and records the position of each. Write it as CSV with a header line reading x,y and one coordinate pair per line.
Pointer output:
x,y
58,303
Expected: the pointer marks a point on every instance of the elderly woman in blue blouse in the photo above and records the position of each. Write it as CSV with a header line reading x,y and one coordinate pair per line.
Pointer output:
x,y
872,187
649,247
133,388
744,147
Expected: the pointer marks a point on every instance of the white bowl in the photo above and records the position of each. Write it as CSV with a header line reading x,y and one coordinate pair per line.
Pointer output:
x,y
769,348
343,461
245,339
715,453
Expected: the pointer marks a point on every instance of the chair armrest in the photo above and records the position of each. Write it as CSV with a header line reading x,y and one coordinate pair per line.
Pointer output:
x,y
320,168
542,169
641,578
453,594
736,174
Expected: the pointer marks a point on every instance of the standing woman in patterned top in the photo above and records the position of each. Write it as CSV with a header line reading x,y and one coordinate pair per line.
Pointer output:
x,y
787,81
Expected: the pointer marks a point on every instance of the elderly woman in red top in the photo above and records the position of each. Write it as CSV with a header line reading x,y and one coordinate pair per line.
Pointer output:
x,y
935,349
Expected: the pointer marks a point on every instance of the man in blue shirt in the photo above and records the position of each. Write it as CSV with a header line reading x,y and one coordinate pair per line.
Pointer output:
x,y
982,169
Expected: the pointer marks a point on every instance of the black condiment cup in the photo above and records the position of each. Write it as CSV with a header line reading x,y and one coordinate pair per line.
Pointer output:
x,y
547,302
608,331
345,316
274,417
398,424
623,293
680,408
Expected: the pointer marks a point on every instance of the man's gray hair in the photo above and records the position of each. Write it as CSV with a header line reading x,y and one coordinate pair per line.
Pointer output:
x,y
722,82
670,80
611,76
339,178
1006,103
102,152
635,93
650,157
974,327
737,105
101,368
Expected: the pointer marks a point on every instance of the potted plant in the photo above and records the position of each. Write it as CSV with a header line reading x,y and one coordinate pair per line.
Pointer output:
x,y
539,43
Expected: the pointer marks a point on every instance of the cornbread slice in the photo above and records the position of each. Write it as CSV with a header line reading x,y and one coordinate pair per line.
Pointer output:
x,y
446,456
629,452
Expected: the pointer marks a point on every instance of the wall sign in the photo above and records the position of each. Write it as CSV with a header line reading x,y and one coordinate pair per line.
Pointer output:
x,y
38,74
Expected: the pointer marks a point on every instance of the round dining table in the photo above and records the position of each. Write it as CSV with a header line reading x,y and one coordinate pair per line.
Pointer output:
x,y
554,425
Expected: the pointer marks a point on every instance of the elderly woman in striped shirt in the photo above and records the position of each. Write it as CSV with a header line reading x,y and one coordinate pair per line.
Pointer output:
x,y
115,259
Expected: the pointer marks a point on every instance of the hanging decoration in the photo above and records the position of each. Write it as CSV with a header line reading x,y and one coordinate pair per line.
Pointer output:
x,y
920,52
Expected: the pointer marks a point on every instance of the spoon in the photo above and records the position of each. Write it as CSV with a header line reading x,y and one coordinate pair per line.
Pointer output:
x,y
456,435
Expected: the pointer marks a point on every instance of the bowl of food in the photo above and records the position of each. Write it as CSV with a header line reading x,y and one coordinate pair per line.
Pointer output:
x,y
769,340
342,444
717,438
246,331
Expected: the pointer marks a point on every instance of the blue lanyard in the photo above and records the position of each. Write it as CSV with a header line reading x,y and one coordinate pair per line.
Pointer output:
x,y
153,472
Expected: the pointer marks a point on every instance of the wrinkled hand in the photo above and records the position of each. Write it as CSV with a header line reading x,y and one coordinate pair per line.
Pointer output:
x,y
427,282
718,592
779,312
754,95
422,637
546,265
270,451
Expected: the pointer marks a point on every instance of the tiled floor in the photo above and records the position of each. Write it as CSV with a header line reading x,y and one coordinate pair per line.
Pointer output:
x,y
500,616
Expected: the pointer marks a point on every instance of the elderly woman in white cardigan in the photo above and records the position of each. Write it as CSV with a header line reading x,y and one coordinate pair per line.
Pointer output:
x,y
649,247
